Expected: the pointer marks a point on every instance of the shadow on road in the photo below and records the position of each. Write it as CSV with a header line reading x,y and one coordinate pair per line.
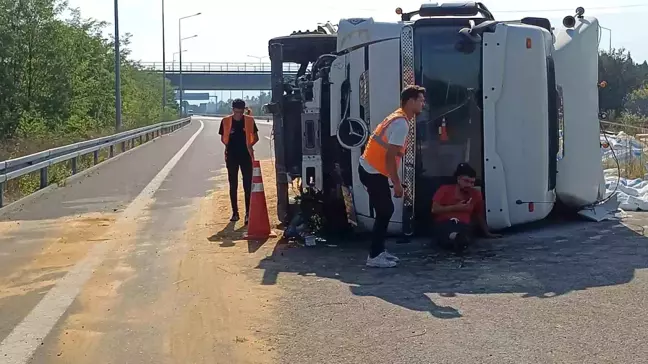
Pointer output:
x,y
543,263
229,235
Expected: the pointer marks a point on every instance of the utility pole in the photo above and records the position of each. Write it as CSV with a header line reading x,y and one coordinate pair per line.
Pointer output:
x,y
118,106
163,62
181,89
180,39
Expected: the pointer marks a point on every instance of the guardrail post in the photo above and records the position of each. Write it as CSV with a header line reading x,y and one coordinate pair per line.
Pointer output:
x,y
43,177
112,151
123,147
2,194
95,157
73,162
142,139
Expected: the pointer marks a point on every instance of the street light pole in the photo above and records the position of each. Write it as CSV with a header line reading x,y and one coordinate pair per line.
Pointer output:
x,y
163,62
118,106
609,30
174,58
260,63
180,49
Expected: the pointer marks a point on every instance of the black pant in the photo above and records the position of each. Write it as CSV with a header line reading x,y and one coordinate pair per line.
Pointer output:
x,y
380,198
234,163
463,238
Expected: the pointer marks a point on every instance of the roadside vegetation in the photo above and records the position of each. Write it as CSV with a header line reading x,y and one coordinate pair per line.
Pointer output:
x,y
57,83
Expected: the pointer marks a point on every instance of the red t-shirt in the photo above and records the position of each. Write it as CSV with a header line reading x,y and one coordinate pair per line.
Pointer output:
x,y
447,196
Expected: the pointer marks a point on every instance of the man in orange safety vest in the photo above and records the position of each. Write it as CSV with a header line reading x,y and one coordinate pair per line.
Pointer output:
x,y
239,134
379,164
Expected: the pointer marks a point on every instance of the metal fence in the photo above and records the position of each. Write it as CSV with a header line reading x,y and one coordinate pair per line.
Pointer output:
x,y
624,147
41,162
220,67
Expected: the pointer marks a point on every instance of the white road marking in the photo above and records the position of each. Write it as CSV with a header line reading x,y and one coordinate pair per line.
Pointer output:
x,y
24,339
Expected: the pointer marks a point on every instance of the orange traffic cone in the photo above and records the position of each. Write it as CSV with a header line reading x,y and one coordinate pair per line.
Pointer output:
x,y
259,222
443,133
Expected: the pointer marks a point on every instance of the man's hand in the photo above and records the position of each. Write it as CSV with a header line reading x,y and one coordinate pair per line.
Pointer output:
x,y
398,190
462,207
225,154
251,151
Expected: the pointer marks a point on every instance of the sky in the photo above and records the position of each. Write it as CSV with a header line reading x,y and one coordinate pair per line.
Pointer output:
x,y
238,31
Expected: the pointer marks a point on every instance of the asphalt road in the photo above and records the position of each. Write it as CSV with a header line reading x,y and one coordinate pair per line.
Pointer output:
x,y
137,263
52,236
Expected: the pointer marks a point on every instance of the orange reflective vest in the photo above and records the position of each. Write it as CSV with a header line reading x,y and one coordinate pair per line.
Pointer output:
x,y
375,152
248,127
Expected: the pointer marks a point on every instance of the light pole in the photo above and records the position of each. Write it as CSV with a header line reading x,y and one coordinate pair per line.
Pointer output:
x,y
180,39
609,30
118,106
163,62
181,85
260,63
174,58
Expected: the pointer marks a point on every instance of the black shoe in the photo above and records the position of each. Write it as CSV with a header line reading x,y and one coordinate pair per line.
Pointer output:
x,y
235,217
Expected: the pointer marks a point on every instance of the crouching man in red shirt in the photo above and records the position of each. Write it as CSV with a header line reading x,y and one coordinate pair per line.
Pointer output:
x,y
455,209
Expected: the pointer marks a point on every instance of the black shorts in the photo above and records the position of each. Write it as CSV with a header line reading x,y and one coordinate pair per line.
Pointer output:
x,y
443,230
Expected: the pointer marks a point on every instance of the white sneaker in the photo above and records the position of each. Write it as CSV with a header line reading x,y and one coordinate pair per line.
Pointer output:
x,y
380,261
391,256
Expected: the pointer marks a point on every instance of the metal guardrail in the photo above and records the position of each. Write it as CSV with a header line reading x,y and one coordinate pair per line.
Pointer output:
x,y
218,67
14,168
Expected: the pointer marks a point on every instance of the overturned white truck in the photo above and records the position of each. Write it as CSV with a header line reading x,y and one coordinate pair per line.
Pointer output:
x,y
517,100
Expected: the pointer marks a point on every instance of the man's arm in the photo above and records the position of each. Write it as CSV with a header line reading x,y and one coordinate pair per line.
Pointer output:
x,y
437,208
397,133
256,133
220,131
392,153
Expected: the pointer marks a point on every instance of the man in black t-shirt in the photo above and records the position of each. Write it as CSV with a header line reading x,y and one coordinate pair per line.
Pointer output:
x,y
239,153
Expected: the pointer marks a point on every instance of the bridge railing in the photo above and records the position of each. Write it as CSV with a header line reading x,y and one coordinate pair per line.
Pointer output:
x,y
41,161
224,67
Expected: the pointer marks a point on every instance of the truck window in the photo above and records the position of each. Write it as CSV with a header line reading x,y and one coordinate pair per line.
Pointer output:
x,y
451,75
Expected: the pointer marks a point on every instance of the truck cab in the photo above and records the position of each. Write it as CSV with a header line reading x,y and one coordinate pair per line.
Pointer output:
x,y
499,96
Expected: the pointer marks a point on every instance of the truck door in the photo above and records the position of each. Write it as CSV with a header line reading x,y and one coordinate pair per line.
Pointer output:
x,y
449,130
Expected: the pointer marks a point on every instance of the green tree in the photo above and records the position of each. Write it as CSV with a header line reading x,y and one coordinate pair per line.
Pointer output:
x,y
622,75
57,79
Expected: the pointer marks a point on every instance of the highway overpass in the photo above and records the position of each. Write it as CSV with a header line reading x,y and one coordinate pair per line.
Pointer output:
x,y
215,76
